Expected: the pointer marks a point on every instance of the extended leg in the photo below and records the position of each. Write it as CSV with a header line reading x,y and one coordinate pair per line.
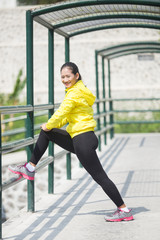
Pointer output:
x,y
85,145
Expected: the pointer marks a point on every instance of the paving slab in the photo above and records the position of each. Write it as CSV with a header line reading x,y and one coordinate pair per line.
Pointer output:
x,y
76,211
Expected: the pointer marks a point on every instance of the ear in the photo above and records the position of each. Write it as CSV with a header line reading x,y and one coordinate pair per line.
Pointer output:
x,y
77,76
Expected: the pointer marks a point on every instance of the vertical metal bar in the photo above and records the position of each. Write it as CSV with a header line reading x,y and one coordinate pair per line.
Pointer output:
x,y
68,155
0,179
104,103
67,50
110,102
30,100
68,165
51,101
97,96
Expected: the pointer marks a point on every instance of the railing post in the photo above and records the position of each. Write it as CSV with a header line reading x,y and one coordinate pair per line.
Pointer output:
x,y
68,165
68,155
104,103
51,101
30,100
97,96
0,179
67,50
111,119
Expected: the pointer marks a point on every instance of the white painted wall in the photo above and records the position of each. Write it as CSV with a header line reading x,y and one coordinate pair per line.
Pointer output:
x,y
130,77
8,3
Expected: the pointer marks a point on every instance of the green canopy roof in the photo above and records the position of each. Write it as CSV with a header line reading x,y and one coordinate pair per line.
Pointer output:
x,y
70,18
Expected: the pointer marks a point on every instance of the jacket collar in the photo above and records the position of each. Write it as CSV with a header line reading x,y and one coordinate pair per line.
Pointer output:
x,y
75,85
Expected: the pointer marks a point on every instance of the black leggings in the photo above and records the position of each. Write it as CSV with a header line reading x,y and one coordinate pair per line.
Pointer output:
x,y
84,146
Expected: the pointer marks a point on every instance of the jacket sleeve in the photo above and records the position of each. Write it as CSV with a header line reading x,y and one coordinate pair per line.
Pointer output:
x,y
59,118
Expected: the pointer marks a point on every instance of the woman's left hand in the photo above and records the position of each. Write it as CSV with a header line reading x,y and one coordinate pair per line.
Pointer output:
x,y
44,128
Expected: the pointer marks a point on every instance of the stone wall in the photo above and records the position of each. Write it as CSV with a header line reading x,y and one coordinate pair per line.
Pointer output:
x,y
130,77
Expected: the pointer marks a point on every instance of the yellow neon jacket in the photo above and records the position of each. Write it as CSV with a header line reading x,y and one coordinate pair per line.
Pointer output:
x,y
76,109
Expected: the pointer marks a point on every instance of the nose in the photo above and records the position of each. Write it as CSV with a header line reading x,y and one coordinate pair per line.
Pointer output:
x,y
65,80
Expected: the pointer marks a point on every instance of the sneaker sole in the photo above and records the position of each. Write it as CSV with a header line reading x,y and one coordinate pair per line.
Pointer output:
x,y
120,219
22,174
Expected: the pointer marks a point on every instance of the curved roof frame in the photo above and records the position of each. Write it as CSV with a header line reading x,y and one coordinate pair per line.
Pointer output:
x,y
119,51
134,51
71,18
129,48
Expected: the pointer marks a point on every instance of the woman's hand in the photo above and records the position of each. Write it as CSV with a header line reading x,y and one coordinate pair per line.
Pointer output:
x,y
43,127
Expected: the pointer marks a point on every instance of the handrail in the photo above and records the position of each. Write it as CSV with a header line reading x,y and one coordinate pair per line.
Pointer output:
x,y
41,165
26,108
45,107
13,146
16,109
23,117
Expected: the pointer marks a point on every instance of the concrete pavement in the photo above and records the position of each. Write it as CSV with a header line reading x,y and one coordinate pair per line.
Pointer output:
x,y
76,210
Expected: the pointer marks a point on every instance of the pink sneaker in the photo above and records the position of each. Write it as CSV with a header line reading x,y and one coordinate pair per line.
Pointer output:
x,y
22,170
119,215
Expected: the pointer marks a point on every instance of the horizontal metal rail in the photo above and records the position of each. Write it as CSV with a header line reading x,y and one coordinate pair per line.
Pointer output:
x,y
23,117
27,108
16,145
16,109
134,99
137,122
47,160
136,110
45,107
105,129
18,130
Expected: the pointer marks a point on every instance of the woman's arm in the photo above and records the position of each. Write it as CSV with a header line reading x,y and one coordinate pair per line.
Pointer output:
x,y
59,118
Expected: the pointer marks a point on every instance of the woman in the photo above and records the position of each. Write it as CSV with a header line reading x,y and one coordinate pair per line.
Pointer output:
x,y
79,138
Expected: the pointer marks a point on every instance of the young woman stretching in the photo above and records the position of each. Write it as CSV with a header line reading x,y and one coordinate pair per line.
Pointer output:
x,y
79,138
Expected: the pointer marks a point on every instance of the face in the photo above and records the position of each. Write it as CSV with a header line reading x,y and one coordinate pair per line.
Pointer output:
x,y
68,78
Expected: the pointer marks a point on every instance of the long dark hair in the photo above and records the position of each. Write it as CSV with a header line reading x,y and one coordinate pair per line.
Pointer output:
x,y
73,67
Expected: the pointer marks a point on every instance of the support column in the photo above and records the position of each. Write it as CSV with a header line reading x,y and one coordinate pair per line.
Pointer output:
x,y
30,100
97,96
111,118
68,155
51,101
104,103
67,50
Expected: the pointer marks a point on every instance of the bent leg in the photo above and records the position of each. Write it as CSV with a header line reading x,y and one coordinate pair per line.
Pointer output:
x,y
58,136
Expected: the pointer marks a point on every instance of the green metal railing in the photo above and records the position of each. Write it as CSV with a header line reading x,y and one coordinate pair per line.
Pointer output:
x,y
102,129
29,142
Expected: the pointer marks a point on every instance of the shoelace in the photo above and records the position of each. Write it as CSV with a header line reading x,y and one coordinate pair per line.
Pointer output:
x,y
117,211
21,166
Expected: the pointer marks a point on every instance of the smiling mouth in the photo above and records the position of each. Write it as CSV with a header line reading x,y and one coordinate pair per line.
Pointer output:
x,y
66,83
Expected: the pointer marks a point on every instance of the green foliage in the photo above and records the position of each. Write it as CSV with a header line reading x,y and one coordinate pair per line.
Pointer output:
x,y
138,127
13,98
18,87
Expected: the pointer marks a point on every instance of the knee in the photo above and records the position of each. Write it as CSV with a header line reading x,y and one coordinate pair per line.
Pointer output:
x,y
44,134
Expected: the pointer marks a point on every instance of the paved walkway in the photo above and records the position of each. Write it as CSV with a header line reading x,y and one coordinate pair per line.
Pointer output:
x,y
76,210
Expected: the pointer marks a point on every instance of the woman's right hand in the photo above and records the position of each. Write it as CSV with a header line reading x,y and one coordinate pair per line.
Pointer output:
x,y
44,128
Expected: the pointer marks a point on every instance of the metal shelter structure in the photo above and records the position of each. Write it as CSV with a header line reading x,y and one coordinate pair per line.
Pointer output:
x,y
70,18
113,52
